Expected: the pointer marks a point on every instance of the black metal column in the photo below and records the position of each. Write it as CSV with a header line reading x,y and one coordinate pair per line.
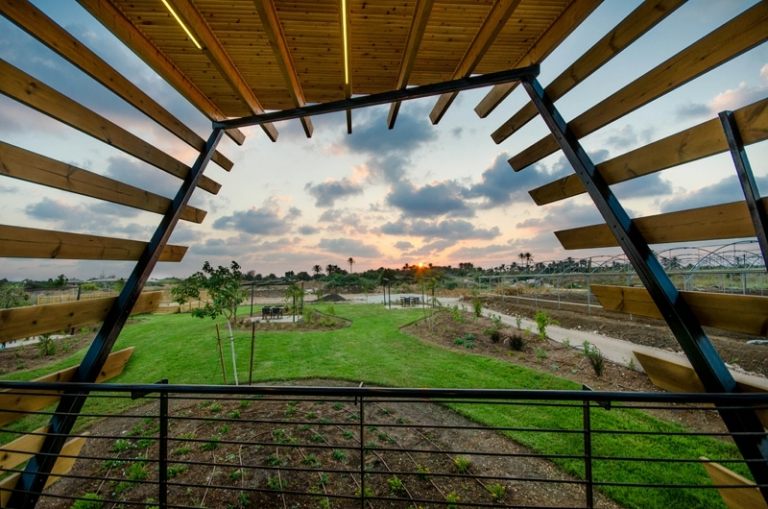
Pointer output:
x,y
709,366
747,181
33,479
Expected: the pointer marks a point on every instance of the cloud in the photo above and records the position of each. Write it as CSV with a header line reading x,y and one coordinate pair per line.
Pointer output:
x,y
326,193
742,95
403,245
432,248
143,176
350,222
430,200
266,220
648,185
454,229
474,252
8,189
692,110
563,216
308,230
724,191
623,138
98,219
349,247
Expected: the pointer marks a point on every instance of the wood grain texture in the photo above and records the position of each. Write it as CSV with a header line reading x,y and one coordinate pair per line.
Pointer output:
x,y
734,498
12,402
747,314
697,142
24,165
118,24
726,221
22,242
27,321
638,22
36,94
738,35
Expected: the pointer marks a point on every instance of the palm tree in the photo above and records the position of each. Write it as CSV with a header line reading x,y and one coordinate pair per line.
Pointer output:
x,y
351,262
522,258
528,257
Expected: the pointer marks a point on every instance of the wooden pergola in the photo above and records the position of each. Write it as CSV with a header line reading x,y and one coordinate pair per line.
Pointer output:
x,y
256,62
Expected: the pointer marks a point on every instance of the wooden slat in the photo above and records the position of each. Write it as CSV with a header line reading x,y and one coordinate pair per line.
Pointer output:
x,y
738,35
726,221
61,467
734,498
493,24
36,94
739,313
116,23
40,26
14,401
274,31
560,29
638,22
415,34
677,375
10,453
22,242
25,165
221,59
27,321
700,141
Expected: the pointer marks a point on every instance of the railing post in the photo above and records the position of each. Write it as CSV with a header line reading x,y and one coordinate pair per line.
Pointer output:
x,y
587,430
163,449
362,452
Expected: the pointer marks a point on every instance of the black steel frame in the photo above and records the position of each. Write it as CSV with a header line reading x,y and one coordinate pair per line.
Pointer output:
x,y
704,357
747,181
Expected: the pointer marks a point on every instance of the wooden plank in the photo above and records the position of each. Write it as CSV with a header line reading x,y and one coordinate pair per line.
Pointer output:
x,y
14,401
726,221
62,467
572,17
40,26
747,314
415,35
700,141
675,375
734,498
27,321
22,242
36,94
11,454
24,165
638,22
221,59
276,36
731,39
493,24
116,22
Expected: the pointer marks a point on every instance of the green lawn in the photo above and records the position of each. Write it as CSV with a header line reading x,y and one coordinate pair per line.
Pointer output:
x,y
374,350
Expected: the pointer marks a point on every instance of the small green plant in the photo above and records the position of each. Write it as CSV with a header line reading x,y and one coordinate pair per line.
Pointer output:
x,y
211,444
290,409
456,314
233,414
275,483
273,460
631,364
368,492
519,322
477,306
316,438
348,434
243,500
137,471
236,475
339,455
214,408
396,486
182,451
311,416
46,345
516,342
423,472
121,445
281,436
311,460
462,464
338,406
541,354
223,429
497,491
493,334
88,501
543,320
175,470
595,357
453,499
323,480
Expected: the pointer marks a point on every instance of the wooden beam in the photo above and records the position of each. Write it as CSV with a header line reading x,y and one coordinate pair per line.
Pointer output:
x,y
22,242
274,30
726,221
24,165
734,498
12,402
27,321
220,58
637,23
20,450
415,35
493,24
114,20
40,26
738,35
36,94
700,141
62,467
747,314
572,17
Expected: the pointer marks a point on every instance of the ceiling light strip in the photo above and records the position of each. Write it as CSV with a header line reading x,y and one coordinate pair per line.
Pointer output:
x,y
345,36
181,24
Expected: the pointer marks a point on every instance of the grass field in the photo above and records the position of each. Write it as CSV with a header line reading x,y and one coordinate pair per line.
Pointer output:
x,y
374,350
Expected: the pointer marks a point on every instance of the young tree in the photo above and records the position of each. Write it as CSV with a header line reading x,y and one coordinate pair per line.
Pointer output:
x,y
223,285
12,295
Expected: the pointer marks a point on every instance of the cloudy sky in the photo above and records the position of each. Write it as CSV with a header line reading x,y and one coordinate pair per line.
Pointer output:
x,y
442,194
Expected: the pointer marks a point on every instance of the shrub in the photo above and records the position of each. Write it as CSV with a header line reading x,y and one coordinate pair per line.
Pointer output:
x,y
462,464
541,354
516,342
456,314
88,501
46,345
493,334
274,483
543,320
339,455
396,486
452,498
497,491
477,307
595,357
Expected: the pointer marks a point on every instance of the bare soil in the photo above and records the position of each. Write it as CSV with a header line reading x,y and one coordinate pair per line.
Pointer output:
x,y
30,357
640,330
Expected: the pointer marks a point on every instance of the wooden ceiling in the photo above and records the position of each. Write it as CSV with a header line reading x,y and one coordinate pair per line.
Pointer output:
x,y
275,54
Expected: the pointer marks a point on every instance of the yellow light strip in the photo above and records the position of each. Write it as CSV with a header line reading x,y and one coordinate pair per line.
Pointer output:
x,y
345,37
181,23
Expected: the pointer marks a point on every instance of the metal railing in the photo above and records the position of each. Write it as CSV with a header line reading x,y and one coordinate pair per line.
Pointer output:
x,y
286,446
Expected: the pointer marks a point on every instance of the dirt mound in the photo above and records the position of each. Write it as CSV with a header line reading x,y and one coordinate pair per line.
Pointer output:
x,y
332,297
